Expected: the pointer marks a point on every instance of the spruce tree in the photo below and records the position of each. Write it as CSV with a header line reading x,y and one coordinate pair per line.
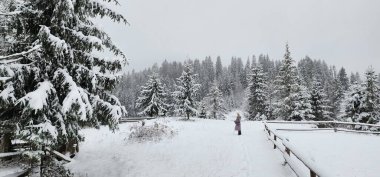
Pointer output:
x,y
286,84
215,102
361,103
371,99
352,104
319,102
55,84
186,92
202,110
343,79
300,104
218,68
257,94
152,98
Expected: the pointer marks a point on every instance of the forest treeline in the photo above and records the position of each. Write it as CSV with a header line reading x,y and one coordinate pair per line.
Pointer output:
x,y
268,89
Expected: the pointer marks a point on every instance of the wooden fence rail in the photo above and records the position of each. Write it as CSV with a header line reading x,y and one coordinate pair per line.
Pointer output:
x,y
135,119
287,150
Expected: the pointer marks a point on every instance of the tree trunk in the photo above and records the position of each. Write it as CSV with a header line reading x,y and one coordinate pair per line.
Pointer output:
x,y
188,116
5,143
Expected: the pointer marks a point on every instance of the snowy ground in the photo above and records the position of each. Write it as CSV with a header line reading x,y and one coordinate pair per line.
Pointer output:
x,y
202,148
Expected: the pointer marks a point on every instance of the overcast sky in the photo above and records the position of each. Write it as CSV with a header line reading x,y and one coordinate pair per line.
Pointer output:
x,y
341,32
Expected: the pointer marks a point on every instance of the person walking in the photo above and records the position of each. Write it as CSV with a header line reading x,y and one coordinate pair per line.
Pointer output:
x,y
237,124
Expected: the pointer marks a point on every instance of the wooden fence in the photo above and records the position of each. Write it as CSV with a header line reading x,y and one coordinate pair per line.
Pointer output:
x,y
135,119
288,150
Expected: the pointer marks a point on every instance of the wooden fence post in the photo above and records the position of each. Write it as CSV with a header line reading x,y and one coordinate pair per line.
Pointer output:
x,y
312,174
274,144
287,150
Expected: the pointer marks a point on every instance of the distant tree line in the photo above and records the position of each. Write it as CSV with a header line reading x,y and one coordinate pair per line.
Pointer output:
x,y
265,88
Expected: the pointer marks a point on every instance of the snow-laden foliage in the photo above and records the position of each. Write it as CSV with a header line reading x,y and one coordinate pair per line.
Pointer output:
x,y
291,90
152,98
371,103
300,104
292,98
186,92
54,83
202,112
154,132
215,102
362,102
319,102
257,94
352,104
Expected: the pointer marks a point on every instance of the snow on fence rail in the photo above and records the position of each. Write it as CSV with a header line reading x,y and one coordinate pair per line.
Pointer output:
x,y
337,125
135,119
287,148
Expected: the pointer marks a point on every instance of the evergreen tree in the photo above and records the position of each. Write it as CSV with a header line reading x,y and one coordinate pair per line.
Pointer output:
x,y
361,103
343,79
337,97
319,102
55,84
202,110
286,84
371,99
215,102
152,98
257,95
300,104
352,105
244,75
218,68
186,91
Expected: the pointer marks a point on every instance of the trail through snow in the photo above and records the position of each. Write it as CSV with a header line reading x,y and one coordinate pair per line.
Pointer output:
x,y
202,148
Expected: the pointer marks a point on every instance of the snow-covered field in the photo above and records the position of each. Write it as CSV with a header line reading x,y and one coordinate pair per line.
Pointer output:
x,y
201,148
204,147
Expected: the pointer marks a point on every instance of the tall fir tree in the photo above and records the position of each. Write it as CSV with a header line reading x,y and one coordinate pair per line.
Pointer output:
x,y
215,102
352,104
202,110
371,99
343,79
257,95
55,84
218,68
300,104
319,102
286,84
152,99
186,92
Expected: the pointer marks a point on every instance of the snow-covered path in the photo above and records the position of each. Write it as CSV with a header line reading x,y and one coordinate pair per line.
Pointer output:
x,y
203,148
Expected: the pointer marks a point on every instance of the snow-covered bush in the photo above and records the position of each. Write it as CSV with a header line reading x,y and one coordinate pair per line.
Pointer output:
x,y
154,132
55,168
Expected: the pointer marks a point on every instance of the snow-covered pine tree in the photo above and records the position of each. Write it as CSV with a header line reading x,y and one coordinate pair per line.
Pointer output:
x,y
218,69
55,84
371,99
186,91
257,95
352,104
202,110
300,104
343,79
286,84
215,102
338,95
152,98
319,102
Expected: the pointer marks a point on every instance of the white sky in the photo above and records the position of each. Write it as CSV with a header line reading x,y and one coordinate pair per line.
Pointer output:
x,y
341,32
